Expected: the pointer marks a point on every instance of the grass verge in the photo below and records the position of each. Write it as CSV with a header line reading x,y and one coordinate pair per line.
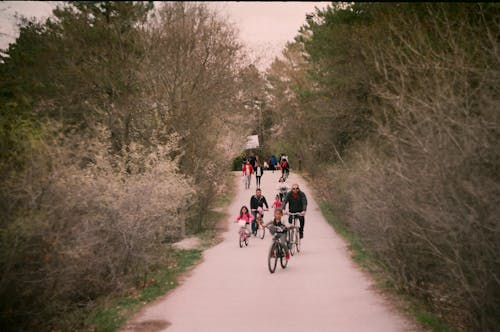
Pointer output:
x,y
412,306
114,312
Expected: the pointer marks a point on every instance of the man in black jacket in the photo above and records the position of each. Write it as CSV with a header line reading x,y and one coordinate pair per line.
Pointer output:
x,y
257,201
297,203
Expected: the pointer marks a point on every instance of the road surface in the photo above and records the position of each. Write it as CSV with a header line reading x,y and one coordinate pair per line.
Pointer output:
x,y
232,290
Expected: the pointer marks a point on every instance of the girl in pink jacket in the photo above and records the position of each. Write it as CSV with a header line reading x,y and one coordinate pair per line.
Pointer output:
x,y
245,216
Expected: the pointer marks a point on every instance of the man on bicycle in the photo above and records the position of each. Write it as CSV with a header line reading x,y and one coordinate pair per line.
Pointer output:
x,y
298,203
257,201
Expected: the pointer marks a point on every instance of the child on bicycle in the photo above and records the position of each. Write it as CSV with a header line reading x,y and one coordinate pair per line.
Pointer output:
x,y
245,216
282,188
259,221
276,226
277,202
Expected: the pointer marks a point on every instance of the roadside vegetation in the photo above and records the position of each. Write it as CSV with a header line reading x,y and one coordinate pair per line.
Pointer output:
x,y
394,108
118,122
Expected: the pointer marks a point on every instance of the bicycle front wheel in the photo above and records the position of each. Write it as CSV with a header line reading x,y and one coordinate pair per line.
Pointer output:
x,y
242,240
272,260
283,260
291,240
261,232
297,241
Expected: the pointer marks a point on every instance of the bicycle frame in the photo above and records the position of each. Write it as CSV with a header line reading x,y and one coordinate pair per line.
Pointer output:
x,y
277,251
293,233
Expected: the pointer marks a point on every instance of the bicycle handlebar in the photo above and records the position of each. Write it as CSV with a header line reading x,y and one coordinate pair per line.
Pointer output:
x,y
294,213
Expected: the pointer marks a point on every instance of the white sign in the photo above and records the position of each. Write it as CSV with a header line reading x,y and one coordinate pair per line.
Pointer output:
x,y
252,142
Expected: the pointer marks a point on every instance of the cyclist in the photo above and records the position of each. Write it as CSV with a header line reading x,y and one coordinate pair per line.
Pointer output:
x,y
285,168
245,216
282,188
276,226
258,220
257,201
298,203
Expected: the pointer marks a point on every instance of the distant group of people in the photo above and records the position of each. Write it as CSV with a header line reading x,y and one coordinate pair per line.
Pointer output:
x,y
252,165
294,198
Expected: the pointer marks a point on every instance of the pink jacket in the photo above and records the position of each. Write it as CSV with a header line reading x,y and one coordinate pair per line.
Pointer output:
x,y
247,169
277,204
247,217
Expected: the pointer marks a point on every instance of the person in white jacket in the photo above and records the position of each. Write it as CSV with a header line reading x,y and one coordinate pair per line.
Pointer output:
x,y
282,188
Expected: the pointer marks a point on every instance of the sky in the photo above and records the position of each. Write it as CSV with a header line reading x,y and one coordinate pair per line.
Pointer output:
x,y
264,26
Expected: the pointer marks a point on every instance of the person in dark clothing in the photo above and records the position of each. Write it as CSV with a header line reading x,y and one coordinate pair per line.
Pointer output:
x,y
272,163
252,159
259,171
297,201
257,201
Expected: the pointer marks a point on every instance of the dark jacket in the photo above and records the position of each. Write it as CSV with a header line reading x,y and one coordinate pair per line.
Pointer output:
x,y
255,202
296,205
261,170
276,227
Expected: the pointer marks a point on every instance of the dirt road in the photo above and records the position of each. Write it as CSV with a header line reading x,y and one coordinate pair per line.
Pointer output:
x,y
232,289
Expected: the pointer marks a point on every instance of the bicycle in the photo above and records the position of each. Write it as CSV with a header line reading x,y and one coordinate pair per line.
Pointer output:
x,y
261,230
293,234
277,250
244,233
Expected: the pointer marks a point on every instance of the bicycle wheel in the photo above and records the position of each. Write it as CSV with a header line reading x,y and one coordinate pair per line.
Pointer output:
x,y
283,260
291,239
242,239
261,232
297,241
272,260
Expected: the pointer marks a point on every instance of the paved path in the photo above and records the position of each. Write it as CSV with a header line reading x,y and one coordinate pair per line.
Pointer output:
x,y
232,289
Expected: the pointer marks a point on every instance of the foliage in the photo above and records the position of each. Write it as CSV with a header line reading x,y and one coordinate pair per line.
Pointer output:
x,y
111,144
401,105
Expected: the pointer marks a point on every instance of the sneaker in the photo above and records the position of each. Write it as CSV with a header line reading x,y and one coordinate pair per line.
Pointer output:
x,y
287,255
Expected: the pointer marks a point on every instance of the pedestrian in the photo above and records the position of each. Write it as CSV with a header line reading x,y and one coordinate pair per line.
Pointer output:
x,y
297,201
259,171
272,162
252,159
257,201
247,173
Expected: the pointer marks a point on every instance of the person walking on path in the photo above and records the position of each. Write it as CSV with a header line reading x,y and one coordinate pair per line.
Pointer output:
x,y
252,159
259,171
272,162
247,173
297,201
257,201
